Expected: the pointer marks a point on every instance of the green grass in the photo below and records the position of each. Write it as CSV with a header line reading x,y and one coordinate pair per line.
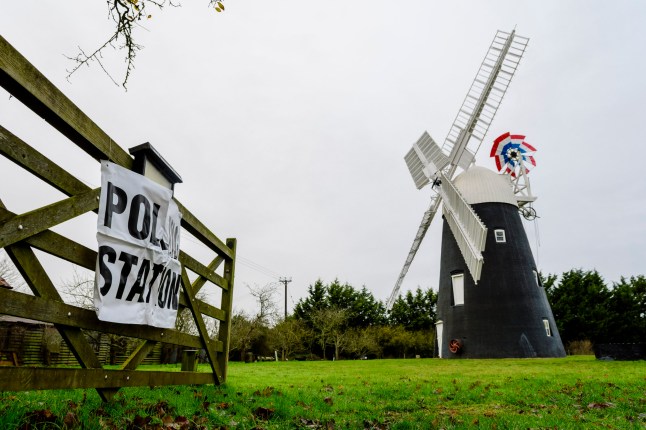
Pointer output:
x,y
575,392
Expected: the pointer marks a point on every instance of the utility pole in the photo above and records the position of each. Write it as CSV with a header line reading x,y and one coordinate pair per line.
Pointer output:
x,y
285,281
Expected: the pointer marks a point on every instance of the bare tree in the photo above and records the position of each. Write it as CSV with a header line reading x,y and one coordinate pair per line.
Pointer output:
x,y
186,323
339,333
288,336
79,290
244,331
9,275
247,328
362,342
212,326
265,298
330,324
127,16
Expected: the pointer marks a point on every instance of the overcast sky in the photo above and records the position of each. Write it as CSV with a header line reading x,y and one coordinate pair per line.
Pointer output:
x,y
288,122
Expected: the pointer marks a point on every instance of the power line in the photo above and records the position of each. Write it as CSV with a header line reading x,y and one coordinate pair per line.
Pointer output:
x,y
257,267
240,259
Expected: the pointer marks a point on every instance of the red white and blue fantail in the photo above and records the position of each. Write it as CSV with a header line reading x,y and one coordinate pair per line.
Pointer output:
x,y
511,152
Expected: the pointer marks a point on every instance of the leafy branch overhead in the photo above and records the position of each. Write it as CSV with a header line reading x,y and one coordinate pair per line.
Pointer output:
x,y
127,16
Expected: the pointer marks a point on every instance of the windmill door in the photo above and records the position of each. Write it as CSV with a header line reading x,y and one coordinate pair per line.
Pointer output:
x,y
439,328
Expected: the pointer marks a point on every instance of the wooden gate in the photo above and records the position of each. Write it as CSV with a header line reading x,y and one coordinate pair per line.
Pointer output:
x,y
21,234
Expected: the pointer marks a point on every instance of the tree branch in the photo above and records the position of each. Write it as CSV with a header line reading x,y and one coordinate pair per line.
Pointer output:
x,y
125,14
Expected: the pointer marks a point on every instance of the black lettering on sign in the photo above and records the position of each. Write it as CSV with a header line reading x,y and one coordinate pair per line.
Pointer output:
x,y
163,289
103,268
129,260
175,292
157,268
168,290
171,288
140,284
114,207
173,238
138,202
153,233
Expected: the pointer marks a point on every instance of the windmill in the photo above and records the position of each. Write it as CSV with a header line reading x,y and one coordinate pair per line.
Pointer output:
x,y
483,310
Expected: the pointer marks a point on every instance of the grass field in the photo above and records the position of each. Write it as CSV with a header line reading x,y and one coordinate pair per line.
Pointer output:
x,y
570,393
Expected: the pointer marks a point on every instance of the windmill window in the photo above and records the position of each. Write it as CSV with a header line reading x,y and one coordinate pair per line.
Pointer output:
x,y
537,279
546,324
500,235
457,282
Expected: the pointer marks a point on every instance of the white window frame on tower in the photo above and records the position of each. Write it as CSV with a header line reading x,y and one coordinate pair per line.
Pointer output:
x,y
536,278
548,329
500,235
457,285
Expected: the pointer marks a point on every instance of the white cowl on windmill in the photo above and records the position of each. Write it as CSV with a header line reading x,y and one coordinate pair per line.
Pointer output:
x,y
498,309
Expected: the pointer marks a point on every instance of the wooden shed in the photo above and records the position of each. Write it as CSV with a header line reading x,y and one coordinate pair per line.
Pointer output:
x,y
25,342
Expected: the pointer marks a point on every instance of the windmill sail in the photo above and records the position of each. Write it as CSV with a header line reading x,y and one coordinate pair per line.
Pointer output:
x,y
467,228
483,98
425,159
470,125
421,232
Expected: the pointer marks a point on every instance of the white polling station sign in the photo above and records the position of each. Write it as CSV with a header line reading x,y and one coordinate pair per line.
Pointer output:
x,y
138,273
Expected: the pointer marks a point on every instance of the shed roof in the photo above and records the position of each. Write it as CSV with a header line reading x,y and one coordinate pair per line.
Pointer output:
x,y
12,319
4,284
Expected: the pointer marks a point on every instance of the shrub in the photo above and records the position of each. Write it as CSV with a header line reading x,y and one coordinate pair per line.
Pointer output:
x,y
580,347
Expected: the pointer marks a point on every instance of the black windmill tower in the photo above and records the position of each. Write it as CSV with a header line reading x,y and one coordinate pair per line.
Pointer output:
x,y
498,309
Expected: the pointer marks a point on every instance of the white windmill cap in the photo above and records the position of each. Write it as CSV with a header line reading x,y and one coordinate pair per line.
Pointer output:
x,y
481,185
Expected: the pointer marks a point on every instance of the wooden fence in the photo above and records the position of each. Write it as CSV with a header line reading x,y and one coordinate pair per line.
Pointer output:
x,y
25,342
21,234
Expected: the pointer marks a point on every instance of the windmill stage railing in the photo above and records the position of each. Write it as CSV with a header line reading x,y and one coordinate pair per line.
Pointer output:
x,y
21,234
